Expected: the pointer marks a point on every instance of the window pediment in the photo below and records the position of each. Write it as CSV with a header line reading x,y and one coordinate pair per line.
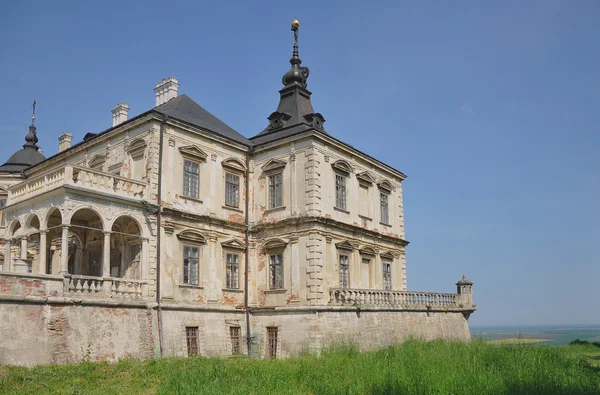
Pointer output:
x,y
234,164
274,244
387,255
274,165
97,161
192,236
193,152
136,148
233,244
365,178
342,166
385,185
344,245
368,251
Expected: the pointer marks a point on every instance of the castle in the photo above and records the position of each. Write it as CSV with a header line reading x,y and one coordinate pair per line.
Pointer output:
x,y
171,234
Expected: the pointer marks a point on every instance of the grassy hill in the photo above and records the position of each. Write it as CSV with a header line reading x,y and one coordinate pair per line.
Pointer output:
x,y
413,367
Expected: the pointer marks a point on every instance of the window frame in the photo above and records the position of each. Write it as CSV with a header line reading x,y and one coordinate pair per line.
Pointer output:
x,y
228,279
272,341
273,202
235,335
184,192
384,219
386,274
236,192
184,271
274,268
191,340
344,280
341,194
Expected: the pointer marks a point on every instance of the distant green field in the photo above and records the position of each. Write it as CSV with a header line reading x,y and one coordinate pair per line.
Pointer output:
x,y
557,336
413,367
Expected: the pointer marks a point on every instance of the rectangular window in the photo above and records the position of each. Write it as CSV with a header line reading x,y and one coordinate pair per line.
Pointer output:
x,y
275,190
366,261
272,342
190,265
233,272
235,332
191,179
344,272
232,190
387,275
191,337
385,217
276,271
3,217
340,191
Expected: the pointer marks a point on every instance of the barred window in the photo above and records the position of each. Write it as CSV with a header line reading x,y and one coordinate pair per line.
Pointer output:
x,y
191,337
387,275
190,265
191,177
272,342
232,190
233,272
276,271
340,191
385,216
344,272
275,190
235,332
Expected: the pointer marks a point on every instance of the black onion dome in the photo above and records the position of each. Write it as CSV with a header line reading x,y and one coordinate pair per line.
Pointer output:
x,y
26,157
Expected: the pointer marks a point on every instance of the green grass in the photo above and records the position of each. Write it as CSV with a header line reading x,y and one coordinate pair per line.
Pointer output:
x,y
413,367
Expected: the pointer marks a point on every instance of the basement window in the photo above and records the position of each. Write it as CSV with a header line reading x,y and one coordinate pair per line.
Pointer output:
x,y
235,333
191,336
272,342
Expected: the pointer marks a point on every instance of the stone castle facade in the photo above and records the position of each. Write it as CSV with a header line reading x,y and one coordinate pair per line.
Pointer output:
x,y
172,234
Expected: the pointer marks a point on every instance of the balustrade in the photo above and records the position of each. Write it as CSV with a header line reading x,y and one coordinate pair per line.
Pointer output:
x,y
105,287
81,177
394,299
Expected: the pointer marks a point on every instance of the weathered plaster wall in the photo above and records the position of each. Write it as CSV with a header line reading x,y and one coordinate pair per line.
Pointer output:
x,y
41,333
310,331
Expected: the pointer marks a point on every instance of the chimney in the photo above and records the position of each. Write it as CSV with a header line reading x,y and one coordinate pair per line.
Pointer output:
x,y
166,90
120,113
64,141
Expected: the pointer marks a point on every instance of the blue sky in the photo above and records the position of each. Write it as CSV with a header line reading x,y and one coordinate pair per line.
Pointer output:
x,y
490,108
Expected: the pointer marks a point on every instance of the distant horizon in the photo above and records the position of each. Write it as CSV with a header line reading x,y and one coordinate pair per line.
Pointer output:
x,y
556,326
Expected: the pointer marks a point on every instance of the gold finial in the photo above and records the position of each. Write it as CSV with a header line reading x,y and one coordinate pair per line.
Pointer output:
x,y
295,24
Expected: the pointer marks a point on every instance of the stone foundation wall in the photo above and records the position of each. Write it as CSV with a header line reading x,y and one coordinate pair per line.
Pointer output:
x,y
34,334
56,333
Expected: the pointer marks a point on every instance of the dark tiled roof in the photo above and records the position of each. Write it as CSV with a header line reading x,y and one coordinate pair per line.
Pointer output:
x,y
185,109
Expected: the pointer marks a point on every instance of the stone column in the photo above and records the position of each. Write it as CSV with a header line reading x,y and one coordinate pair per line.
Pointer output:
x,y
106,256
42,255
64,253
7,258
24,247
20,265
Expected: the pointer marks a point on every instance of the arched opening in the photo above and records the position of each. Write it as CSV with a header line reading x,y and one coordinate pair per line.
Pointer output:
x,y
53,246
86,240
32,232
126,249
12,246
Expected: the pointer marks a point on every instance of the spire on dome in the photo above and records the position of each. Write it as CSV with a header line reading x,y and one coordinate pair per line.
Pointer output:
x,y
296,75
31,138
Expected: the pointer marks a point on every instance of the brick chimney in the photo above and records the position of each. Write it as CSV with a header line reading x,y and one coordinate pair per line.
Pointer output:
x,y
120,113
166,90
64,141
